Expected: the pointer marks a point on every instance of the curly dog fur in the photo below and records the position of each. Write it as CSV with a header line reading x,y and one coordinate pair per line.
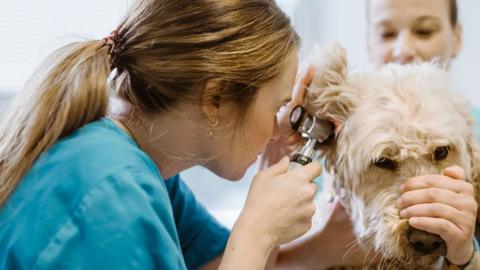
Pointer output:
x,y
393,124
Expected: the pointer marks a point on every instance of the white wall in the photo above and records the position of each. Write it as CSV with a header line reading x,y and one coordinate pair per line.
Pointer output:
x,y
31,29
465,68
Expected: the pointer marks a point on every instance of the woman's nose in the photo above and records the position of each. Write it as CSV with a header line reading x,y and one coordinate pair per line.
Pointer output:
x,y
404,50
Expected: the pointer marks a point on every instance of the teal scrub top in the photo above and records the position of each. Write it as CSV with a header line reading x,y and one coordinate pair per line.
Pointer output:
x,y
95,200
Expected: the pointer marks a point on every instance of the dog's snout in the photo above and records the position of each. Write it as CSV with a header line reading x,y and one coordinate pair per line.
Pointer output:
x,y
425,242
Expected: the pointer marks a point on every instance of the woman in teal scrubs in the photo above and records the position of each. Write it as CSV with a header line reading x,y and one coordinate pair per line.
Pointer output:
x,y
85,185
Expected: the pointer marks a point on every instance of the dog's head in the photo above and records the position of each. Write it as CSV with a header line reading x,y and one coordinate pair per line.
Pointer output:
x,y
396,123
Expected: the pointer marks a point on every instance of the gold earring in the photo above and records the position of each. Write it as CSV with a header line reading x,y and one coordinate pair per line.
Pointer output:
x,y
213,122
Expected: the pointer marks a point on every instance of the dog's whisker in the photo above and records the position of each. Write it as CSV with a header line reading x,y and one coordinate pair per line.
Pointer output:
x,y
375,257
366,256
384,259
392,262
365,237
355,243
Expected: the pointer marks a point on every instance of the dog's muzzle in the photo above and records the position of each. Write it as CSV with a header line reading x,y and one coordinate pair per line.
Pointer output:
x,y
426,243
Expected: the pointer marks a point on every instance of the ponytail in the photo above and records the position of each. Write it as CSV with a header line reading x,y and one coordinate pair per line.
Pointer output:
x,y
163,51
66,92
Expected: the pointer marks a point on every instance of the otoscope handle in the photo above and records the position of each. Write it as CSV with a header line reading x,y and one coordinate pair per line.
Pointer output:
x,y
299,161
304,156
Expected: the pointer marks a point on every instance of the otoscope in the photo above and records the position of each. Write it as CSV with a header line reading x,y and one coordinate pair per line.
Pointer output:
x,y
313,129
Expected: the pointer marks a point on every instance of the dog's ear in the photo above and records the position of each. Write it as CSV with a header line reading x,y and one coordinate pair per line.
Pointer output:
x,y
329,97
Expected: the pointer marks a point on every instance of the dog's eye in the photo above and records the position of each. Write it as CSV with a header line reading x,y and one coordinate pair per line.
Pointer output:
x,y
385,163
441,153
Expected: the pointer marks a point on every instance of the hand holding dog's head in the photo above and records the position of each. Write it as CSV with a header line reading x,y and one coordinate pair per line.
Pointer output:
x,y
398,122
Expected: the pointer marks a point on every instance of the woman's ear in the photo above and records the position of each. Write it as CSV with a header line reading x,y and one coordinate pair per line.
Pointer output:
x,y
458,32
211,98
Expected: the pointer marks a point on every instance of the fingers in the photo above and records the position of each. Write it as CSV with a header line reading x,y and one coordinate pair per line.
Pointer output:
x,y
298,96
459,243
309,172
462,220
455,172
444,205
442,227
301,86
433,195
439,196
438,181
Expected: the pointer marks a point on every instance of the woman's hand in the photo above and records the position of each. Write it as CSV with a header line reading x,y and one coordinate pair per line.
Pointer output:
x,y
444,205
278,209
286,140
280,202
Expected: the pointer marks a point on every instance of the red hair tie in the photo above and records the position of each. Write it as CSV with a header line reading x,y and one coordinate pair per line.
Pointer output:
x,y
111,41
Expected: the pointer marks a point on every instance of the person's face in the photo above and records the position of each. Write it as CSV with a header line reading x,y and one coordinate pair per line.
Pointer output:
x,y
405,31
247,141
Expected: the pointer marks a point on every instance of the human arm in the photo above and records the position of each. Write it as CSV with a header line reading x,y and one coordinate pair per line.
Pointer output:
x,y
278,209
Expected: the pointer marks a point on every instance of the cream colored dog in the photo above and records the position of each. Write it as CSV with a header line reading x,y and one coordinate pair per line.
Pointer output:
x,y
399,122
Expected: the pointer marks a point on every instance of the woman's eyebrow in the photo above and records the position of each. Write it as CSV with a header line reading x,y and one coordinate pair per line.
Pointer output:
x,y
382,22
427,18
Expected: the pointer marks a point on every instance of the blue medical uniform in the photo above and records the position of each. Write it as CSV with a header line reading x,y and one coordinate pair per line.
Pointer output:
x,y
95,200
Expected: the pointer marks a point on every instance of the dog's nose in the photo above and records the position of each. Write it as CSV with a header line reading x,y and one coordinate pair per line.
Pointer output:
x,y
424,242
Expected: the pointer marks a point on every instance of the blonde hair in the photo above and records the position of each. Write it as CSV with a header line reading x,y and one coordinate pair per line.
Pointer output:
x,y
165,49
